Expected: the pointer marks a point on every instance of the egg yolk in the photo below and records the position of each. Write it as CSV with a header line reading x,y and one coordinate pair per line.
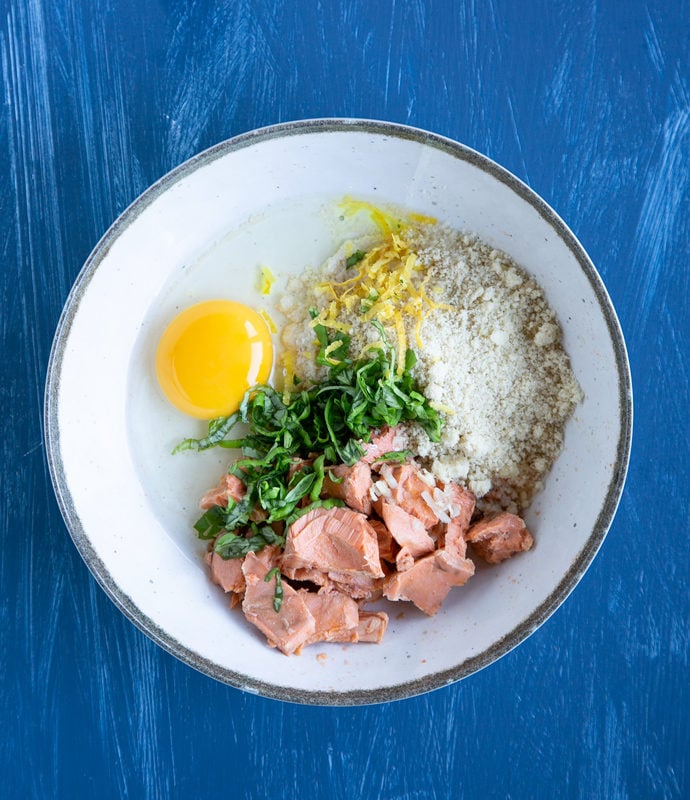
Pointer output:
x,y
210,354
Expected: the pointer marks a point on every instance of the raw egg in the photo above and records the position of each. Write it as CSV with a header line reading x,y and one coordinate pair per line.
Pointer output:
x,y
210,354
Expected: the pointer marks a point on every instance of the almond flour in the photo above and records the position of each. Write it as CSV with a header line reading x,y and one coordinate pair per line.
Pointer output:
x,y
489,354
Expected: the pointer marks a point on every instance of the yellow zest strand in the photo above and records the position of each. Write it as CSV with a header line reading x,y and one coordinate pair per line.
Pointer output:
x,y
402,345
327,352
422,219
417,334
266,317
388,284
288,364
266,280
442,408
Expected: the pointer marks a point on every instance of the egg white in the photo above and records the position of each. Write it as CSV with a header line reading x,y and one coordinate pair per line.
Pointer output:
x,y
287,239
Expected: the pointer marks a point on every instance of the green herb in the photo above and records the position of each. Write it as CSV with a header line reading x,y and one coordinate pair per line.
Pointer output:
x,y
355,258
395,456
334,418
230,545
278,592
368,301
218,429
329,502
211,523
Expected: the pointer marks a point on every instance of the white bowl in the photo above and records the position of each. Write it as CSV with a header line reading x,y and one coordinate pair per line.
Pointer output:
x,y
268,197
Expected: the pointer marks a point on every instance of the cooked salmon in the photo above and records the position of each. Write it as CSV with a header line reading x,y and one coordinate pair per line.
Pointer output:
x,y
298,465
291,627
372,626
388,547
408,531
332,540
338,619
306,574
428,582
351,484
226,573
464,500
400,535
358,585
387,440
409,490
336,616
499,537
229,486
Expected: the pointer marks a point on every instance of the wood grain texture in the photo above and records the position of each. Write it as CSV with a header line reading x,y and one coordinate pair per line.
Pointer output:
x,y
587,102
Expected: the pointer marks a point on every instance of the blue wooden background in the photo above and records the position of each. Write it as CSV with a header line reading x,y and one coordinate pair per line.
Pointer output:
x,y
589,103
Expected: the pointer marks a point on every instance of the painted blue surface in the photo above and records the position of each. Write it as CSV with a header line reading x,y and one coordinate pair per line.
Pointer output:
x,y
589,103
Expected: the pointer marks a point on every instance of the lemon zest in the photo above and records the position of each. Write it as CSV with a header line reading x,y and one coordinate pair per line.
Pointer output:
x,y
422,219
266,280
388,284
444,409
402,344
327,352
266,317
288,364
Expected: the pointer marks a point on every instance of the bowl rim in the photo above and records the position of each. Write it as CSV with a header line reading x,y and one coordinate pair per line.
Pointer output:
x,y
244,682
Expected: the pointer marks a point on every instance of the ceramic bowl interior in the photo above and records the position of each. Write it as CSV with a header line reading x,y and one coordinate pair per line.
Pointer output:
x,y
271,198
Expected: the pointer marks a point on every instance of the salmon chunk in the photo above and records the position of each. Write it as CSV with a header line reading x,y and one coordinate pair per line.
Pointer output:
x,y
428,582
457,528
338,621
226,572
229,487
372,626
388,547
387,440
307,574
332,540
409,491
336,616
409,532
288,629
499,537
351,484
358,585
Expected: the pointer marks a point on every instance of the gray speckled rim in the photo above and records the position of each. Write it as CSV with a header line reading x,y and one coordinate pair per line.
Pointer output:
x,y
245,682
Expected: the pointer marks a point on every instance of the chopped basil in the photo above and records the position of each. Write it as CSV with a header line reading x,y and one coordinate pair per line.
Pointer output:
x,y
230,545
395,456
278,592
283,480
355,258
